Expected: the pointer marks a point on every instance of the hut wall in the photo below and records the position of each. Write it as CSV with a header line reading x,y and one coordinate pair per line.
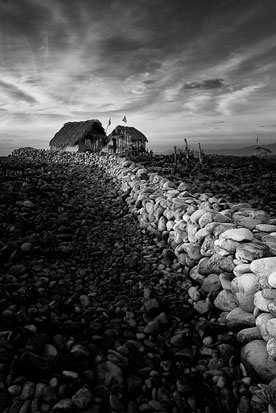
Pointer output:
x,y
64,148
125,143
91,144
82,147
70,148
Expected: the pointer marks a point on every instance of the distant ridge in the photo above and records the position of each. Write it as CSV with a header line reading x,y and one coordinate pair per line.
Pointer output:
x,y
244,151
220,150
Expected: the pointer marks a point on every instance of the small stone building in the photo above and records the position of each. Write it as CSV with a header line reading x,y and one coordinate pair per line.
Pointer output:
x,y
83,136
126,139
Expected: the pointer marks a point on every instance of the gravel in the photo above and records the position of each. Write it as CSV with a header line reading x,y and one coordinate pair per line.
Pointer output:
x,y
96,314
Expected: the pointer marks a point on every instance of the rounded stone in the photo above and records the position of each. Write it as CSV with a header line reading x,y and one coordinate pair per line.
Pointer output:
x,y
264,266
272,279
228,245
241,269
50,351
26,247
266,227
271,348
205,219
261,324
225,301
193,293
245,283
271,327
28,204
238,318
256,358
211,283
270,241
272,308
82,398
64,405
225,280
14,390
248,334
269,293
197,215
247,252
260,302
246,301
202,306
238,234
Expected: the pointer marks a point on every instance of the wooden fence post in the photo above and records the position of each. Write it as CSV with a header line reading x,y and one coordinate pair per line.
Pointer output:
x,y
200,154
175,159
187,149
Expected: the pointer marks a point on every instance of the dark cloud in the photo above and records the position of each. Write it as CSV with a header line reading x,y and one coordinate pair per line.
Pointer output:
x,y
25,18
16,92
149,82
206,84
138,36
120,44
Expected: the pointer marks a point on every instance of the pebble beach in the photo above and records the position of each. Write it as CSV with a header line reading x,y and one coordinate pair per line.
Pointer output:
x,y
122,291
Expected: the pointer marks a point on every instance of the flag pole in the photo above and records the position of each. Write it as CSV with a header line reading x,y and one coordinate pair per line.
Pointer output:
x,y
108,124
125,138
125,135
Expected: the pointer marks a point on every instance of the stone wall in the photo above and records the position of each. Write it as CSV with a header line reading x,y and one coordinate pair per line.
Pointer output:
x,y
228,251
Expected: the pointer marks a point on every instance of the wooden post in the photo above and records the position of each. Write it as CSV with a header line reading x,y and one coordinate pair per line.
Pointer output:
x,y
186,149
175,159
200,153
125,138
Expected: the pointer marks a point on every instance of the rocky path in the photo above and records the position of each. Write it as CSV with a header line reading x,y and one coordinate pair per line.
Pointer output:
x,y
95,315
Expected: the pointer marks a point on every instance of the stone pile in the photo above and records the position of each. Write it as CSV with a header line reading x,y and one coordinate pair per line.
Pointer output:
x,y
227,250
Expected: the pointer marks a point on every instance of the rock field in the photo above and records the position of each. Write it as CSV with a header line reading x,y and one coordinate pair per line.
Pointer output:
x,y
121,291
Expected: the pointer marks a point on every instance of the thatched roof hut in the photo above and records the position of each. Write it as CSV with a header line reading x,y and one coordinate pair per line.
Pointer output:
x,y
87,135
127,138
133,134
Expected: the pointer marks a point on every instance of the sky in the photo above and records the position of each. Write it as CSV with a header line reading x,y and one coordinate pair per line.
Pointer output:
x,y
200,69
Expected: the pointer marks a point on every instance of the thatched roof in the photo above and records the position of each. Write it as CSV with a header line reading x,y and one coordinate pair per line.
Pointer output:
x,y
74,132
132,133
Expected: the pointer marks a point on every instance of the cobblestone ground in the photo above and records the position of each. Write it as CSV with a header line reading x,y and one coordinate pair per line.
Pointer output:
x,y
94,313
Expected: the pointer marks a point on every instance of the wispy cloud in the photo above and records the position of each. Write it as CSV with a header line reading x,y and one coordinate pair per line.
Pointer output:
x,y
197,103
15,93
229,102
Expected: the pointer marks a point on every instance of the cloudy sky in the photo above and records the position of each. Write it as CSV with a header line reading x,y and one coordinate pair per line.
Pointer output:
x,y
203,69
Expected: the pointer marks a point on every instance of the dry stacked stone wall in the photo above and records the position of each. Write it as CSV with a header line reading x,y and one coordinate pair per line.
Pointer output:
x,y
227,250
